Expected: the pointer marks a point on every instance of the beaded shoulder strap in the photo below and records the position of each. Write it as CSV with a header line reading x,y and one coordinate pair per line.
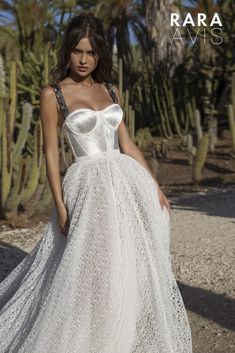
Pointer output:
x,y
111,91
62,103
60,99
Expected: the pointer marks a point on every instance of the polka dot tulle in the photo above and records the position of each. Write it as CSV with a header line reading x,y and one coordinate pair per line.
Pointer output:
x,y
106,288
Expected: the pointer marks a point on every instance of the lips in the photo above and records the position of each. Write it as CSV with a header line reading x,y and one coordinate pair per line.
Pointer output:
x,y
82,68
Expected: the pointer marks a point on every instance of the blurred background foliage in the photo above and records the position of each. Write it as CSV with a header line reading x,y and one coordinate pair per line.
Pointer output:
x,y
169,90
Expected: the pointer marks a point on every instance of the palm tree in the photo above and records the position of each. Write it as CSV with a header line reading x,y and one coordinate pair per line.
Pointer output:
x,y
206,6
30,24
120,17
158,24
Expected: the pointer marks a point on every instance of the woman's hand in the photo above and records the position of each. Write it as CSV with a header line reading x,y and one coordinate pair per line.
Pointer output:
x,y
163,199
63,220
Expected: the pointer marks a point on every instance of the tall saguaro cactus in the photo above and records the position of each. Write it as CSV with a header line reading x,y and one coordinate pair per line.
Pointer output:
x,y
22,169
231,114
201,155
7,119
128,111
231,118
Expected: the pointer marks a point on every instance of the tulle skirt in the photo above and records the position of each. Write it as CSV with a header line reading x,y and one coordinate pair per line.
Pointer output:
x,y
106,288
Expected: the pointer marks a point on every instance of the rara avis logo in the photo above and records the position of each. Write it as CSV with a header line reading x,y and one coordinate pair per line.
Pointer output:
x,y
191,28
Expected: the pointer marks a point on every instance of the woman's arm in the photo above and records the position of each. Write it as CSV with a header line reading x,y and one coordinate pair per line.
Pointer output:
x,y
49,119
127,146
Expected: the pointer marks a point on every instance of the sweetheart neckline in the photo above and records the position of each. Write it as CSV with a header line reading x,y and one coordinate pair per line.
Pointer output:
x,y
92,110
89,109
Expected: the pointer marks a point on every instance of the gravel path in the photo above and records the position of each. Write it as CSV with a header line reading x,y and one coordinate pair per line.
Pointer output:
x,y
202,248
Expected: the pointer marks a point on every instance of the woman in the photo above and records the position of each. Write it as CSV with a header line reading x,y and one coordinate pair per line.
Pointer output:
x,y
100,279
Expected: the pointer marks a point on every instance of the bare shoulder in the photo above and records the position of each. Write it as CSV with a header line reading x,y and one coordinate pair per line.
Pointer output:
x,y
48,100
49,109
47,93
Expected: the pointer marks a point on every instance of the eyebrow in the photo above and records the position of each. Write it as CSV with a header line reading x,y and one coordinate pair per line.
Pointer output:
x,y
81,49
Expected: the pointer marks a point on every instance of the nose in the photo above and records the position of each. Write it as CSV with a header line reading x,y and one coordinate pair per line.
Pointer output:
x,y
83,59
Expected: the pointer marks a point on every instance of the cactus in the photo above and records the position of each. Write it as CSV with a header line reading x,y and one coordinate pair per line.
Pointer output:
x,y
132,123
213,132
128,111
46,65
120,76
165,125
35,165
233,92
191,150
231,117
19,165
22,170
6,159
2,102
189,111
171,105
23,131
7,125
13,97
13,200
164,148
231,114
202,148
174,115
198,124
143,137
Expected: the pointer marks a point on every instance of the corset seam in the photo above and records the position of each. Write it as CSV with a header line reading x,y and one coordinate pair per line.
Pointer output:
x,y
70,143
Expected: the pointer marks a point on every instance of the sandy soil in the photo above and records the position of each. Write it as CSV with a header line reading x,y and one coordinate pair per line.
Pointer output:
x,y
202,248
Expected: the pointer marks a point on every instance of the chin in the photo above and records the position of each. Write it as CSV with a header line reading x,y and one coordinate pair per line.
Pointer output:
x,y
82,74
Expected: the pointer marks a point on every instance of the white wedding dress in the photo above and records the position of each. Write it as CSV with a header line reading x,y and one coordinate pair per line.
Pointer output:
x,y
108,287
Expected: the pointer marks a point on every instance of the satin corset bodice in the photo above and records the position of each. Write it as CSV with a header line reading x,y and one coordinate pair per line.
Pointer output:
x,y
90,131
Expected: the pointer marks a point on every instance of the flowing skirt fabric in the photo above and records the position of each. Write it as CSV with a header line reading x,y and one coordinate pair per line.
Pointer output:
x,y
106,288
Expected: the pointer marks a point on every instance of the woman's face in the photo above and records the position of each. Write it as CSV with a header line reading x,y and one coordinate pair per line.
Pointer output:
x,y
83,58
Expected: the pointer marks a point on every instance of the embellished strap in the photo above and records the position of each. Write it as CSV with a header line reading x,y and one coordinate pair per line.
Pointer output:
x,y
62,103
60,99
111,91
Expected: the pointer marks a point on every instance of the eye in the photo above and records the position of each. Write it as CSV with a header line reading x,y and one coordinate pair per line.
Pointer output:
x,y
92,52
77,51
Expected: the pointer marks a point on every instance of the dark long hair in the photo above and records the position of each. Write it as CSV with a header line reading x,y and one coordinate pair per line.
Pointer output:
x,y
81,26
